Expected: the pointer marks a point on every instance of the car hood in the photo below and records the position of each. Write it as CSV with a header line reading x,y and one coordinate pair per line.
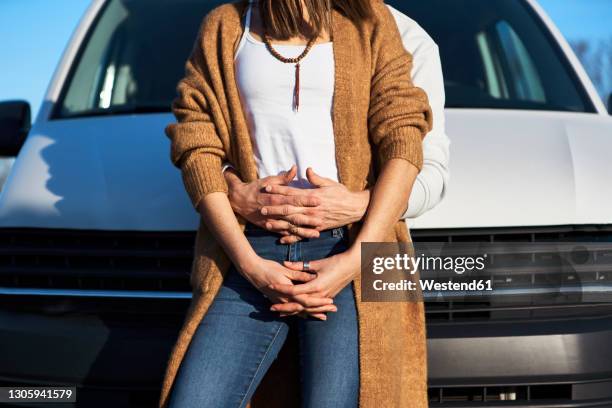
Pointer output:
x,y
106,173
517,168
508,168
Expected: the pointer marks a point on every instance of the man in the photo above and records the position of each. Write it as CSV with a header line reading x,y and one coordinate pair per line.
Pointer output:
x,y
300,213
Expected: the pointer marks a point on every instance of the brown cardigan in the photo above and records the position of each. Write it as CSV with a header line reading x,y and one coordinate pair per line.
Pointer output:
x,y
377,115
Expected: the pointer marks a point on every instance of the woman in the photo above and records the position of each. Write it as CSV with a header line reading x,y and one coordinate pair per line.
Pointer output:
x,y
310,82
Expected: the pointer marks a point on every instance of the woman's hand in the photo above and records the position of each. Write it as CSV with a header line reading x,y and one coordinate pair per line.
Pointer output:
x,y
332,275
263,274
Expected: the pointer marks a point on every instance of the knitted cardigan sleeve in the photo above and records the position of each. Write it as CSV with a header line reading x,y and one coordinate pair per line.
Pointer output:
x,y
399,114
196,148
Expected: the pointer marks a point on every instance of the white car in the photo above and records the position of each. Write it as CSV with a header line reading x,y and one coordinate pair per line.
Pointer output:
x,y
96,229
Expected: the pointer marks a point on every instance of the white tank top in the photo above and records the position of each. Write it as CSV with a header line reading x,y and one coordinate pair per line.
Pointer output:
x,y
281,136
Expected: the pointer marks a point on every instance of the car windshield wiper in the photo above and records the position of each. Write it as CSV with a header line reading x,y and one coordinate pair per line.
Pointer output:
x,y
121,110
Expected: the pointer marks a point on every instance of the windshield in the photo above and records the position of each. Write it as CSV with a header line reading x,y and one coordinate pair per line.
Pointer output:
x,y
494,55
497,54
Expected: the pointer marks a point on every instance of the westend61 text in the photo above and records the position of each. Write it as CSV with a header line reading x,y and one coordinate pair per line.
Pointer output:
x,y
432,285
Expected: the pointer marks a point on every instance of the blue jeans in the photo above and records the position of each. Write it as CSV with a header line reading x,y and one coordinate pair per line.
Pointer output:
x,y
239,338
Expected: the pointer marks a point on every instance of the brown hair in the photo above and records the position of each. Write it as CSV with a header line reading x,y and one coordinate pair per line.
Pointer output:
x,y
285,18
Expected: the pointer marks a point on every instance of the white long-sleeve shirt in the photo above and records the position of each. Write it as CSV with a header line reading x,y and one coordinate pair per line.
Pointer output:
x,y
430,185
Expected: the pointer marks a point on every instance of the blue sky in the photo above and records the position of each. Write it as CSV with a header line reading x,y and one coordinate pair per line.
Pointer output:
x,y
34,34
577,19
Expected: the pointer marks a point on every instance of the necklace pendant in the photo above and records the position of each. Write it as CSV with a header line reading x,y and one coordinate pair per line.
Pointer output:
x,y
296,89
296,60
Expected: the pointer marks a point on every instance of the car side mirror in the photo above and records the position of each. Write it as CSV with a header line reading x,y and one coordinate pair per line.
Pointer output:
x,y
15,123
610,103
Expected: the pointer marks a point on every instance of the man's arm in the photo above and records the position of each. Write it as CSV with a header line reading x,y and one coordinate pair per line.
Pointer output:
x,y
430,185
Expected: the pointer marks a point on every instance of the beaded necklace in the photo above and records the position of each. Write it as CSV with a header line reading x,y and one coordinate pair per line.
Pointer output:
x,y
294,60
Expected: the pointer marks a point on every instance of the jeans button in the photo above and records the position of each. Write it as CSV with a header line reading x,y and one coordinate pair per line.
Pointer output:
x,y
337,232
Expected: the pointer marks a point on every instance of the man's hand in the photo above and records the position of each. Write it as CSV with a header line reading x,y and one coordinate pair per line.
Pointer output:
x,y
248,199
292,212
337,206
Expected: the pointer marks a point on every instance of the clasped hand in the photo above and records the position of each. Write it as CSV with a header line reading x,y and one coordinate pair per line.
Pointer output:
x,y
314,293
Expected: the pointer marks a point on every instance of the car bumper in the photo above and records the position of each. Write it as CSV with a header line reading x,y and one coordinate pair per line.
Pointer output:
x,y
545,363
116,353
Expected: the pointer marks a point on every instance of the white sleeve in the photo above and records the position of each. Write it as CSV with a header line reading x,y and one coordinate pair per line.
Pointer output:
x,y
431,183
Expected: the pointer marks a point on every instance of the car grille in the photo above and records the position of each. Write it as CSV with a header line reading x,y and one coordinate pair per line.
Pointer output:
x,y
95,260
157,264
520,393
518,277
